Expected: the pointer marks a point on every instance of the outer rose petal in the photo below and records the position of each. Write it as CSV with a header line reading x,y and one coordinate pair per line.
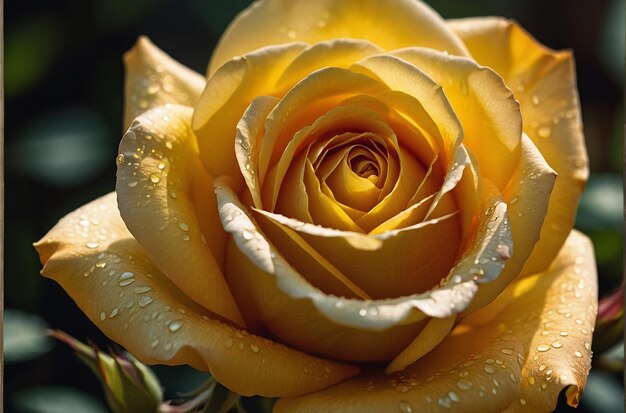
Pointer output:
x,y
544,82
227,95
554,312
509,364
490,115
153,79
272,291
528,194
268,22
96,260
165,199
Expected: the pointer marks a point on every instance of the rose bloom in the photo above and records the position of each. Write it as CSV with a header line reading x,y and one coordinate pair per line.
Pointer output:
x,y
361,208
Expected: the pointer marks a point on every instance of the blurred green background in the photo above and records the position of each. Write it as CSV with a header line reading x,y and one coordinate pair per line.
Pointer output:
x,y
64,90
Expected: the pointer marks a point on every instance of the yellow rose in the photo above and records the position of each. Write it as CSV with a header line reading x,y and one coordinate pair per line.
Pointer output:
x,y
353,182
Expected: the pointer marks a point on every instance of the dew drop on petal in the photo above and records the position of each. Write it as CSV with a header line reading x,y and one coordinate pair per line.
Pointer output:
x,y
175,326
405,407
464,384
144,301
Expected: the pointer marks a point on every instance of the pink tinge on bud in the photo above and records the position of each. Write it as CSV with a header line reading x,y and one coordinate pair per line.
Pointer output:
x,y
612,306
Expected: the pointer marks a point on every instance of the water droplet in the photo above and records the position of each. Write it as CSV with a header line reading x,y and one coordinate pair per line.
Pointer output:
x,y
155,178
405,407
557,344
543,347
254,348
161,166
132,184
578,354
103,316
535,100
101,264
454,397
114,312
183,226
563,333
154,343
542,367
144,301
173,194
247,235
175,326
531,380
490,369
168,346
229,343
185,237
544,132
92,245
508,351
152,89
522,402
444,402
514,200
120,159
141,290
363,312
464,384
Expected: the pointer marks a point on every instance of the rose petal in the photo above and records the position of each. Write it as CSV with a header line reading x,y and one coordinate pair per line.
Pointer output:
x,y
227,95
553,313
470,371
544,82
153,79
305,103
527,194
371,315
165,199
408,23
250,130
433,333
490,115
97,261
508,364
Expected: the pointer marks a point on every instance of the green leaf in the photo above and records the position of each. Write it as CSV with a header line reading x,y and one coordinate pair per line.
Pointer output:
x,y
24,336
49,399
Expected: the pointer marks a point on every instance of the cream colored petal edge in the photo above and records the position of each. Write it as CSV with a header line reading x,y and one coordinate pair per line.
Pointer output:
x,y
553,313
390,26
508,364
165,199
544,82
527,195
227,95
372,315
124,294
250,130
453,296
152,78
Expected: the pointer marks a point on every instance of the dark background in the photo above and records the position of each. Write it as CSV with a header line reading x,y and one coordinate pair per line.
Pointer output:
x,y
64,91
